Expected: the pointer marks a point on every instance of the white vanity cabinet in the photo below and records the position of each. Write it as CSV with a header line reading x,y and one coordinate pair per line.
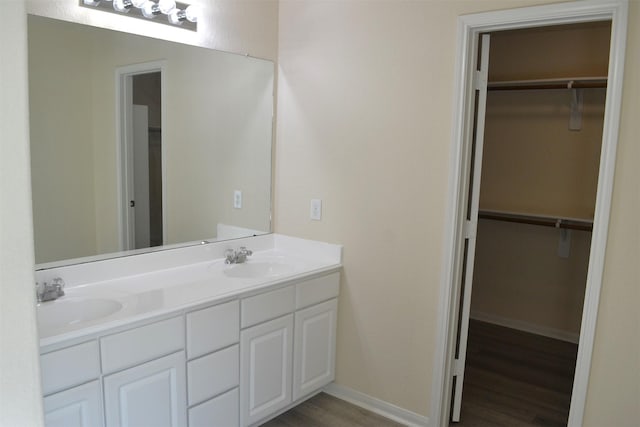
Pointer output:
x,y
287,358
233,363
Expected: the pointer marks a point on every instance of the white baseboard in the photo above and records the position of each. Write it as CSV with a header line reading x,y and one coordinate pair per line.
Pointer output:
x,y
520,325
378,406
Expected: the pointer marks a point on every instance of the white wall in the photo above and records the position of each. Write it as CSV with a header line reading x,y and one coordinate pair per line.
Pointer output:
x,y
20,402
364,122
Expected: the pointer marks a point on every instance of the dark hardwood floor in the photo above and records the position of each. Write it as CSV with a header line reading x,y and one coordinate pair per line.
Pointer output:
x,y
324,410
515,378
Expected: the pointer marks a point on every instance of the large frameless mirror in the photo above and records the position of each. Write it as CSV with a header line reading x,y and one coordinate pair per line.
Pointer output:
x,y
139,144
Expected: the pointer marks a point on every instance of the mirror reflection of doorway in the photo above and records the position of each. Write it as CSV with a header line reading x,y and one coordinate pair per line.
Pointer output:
x,y
141,155
147,158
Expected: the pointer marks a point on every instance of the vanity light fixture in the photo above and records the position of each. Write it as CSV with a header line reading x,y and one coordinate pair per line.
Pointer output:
x,y
176,14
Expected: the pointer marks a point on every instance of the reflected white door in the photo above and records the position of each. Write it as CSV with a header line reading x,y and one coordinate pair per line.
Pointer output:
x,y
471,225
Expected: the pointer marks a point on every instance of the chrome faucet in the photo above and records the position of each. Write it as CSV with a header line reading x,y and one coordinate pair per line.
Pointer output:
x,y
50,291
237,257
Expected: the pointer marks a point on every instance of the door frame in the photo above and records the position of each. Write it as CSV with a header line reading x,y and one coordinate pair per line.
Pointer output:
x,y
124,145
468,31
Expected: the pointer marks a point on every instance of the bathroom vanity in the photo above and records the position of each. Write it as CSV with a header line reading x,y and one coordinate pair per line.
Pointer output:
x,y
178,337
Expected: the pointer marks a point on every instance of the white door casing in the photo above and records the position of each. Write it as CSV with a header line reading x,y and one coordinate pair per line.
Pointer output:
x,y
469,28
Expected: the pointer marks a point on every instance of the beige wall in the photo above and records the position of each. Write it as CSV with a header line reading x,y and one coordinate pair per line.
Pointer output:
x,y
532,162
20,402
520,279
614,384
60,90
365,107
217,137
576,50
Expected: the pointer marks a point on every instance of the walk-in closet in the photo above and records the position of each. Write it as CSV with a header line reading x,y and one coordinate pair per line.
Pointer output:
x,y
542,139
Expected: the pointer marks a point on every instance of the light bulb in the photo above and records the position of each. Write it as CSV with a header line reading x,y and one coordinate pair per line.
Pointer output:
x,y
138,3
150,9
177,16
166,6
192,13
122,5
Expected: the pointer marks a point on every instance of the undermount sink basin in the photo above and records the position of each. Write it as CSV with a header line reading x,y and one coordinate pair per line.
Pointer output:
x,y
68,311
257,269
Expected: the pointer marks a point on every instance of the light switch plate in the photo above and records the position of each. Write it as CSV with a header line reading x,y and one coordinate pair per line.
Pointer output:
x,y
237,199
316,209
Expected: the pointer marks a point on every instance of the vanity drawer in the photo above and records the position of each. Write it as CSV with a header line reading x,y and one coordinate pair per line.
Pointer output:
x,y
212,374
213,328
142,344
267,306
221,411
317,290
70,366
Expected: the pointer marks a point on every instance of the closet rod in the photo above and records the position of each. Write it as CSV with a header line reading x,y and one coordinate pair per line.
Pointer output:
x,y
577,83
573,224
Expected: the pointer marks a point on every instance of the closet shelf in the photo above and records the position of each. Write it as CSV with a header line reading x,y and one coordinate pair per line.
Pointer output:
x,y
548,221
566,83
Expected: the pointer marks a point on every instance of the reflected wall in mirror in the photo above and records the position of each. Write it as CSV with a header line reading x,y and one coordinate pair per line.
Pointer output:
x,y
216,139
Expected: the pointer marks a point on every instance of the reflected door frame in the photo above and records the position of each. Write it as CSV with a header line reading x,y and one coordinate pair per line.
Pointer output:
x,y
124,147
469,29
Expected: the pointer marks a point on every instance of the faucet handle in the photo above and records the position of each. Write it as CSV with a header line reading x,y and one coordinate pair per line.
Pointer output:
x,y
230,256
245,251
39,291
58,285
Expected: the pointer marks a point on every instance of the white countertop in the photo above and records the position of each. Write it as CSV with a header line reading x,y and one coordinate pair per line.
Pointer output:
x,y
137,288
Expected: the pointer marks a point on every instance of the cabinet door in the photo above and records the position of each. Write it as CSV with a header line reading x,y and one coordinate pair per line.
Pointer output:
x,y
314,353
77,407
265,374
152,394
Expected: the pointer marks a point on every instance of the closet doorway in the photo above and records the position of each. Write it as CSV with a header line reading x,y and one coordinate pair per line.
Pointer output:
x,y
466,170
538,161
